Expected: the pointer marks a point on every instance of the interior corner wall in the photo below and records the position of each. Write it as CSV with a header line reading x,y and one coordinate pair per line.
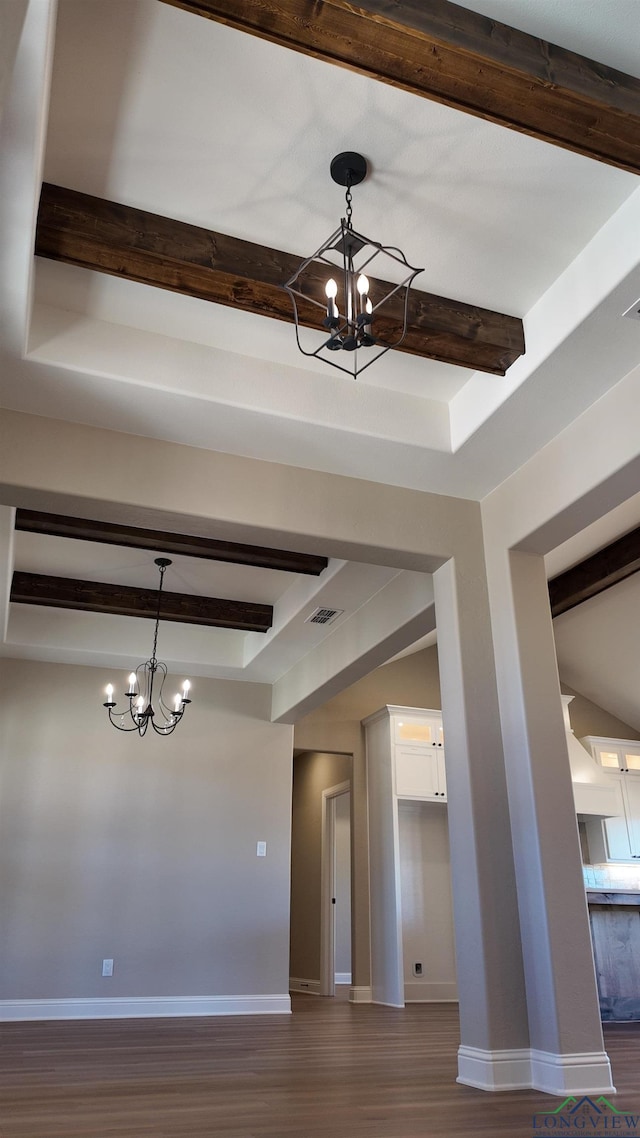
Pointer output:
x,y
140,850
313,772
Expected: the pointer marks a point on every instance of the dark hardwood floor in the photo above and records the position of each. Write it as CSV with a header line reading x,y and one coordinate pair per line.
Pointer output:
x,y
331,1070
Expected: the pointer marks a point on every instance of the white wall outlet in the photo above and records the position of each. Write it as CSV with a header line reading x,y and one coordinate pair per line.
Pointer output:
x,y
107,967
261,849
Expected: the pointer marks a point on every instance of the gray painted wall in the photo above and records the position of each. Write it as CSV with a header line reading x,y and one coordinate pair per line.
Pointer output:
x,y
143,850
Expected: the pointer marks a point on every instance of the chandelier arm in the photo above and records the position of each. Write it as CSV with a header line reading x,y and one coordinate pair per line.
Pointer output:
x,y
167,730
121,715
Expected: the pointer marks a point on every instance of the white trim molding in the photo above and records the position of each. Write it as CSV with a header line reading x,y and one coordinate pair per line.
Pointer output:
x,y
128,1007
494,1070
525,1068
586,1072
309,986
360,994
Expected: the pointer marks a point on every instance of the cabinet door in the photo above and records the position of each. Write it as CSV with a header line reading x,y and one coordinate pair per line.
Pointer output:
x,y
417,772
630,761
420,731
617,839
616,830
609,755
442,778
632,795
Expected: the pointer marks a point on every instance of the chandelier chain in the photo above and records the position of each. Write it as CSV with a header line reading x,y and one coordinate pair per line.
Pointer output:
x,y
162,569
348,199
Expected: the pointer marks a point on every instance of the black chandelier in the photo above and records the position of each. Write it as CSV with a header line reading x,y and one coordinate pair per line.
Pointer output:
x,y
141,711
364,317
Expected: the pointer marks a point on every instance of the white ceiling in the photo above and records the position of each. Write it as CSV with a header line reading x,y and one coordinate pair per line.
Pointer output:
x,y
162,110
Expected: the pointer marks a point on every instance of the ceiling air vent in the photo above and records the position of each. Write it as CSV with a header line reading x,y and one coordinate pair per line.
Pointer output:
x,y
323,616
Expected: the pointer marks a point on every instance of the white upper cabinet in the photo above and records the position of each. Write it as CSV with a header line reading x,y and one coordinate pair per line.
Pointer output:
x,y
615,754
418,754
414,750
620,762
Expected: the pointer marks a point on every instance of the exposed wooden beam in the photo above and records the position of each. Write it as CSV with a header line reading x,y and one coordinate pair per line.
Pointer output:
x,y
605,568
111,238
122,600
159,541
455,56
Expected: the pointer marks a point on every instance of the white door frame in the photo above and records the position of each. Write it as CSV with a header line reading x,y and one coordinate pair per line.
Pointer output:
x,y
327,888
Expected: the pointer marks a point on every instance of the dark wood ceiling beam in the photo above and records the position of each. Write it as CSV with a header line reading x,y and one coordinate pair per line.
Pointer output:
x,y
95,234
121,600
161,542
458,57
605,568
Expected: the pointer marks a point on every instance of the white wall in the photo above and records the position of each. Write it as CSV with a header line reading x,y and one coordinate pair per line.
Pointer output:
x,y
143,850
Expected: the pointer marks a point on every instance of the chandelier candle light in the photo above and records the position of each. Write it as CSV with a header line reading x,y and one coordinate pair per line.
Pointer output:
x,y
140,690
353,319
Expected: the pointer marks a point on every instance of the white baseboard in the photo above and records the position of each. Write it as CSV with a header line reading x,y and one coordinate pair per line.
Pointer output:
x,y
144,1006
360,995
526,1068
587,1072
494,1070
298,985
343,978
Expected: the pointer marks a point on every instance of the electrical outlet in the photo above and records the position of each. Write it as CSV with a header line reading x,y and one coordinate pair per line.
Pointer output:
x,y
107,967
417,968
261,849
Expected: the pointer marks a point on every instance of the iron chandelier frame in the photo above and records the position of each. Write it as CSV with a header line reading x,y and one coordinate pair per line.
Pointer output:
x,y
349,253
141,714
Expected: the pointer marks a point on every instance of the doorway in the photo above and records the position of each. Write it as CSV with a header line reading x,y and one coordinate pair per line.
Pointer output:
x,y
335,914
321,933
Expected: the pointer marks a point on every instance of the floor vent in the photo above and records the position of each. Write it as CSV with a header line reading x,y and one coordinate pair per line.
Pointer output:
x,y
323,616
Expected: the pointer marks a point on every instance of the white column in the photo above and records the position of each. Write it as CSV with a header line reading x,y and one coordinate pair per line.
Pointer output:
x,y
567,1049
528,1002
494,1050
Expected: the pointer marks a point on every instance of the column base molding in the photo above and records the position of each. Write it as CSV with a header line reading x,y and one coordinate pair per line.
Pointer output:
x,y
529,1069
360,994
494,1070
586,1072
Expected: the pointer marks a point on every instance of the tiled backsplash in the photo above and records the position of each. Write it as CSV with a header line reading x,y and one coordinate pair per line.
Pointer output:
x,y
608,877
